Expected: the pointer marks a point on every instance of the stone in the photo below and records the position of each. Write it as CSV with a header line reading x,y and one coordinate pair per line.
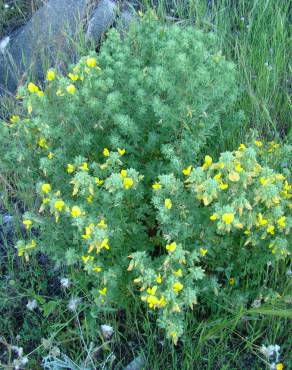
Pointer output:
x,y
101,19
137,364
44,39
47,40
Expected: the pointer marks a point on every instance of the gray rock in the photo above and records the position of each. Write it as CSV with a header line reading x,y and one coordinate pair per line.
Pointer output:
x,y
101,19
48,38
44,39
127,15
7,228
137,364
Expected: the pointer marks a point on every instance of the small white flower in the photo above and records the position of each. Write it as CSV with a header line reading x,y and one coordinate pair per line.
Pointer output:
x,y
65,283
17,350
289,272
242,19
24,360
6,6
73,303
3,44
107,331
256,303
32,305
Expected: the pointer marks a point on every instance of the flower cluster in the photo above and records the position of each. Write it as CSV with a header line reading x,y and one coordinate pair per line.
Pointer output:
x,y
245,196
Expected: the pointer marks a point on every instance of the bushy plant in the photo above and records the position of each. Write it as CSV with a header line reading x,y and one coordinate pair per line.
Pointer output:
x,y
111,151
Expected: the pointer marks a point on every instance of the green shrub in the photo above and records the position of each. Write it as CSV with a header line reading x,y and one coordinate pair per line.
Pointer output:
x,y
108,149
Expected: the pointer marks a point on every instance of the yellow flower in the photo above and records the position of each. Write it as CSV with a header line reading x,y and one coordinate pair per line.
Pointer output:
x,y
152,301
91,62
106,152
102,224
42,143
73,77
156,186
203,251
46,188
218,176
223,186
71,89
27,223
271,229
234,176
50,155
102,291
89,199
228,218
159,279
162,302
232,281
14,119
171,247
238,167
281,222
262,221
167,203
242,147
279,366
84,166
258,143
46,200
51,75
208,162
187,170
123,173
75,211
264,181
246,232
85,259
177,287
29,108
59,205
32,88
88,231
178,273
213,217
104,244
128,182
70,168
121,151
173,336
218,165
98,181
97,269
152,290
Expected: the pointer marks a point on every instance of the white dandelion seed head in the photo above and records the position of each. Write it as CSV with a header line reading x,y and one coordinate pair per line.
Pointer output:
x,y
73,303
107,331
65,283
32,305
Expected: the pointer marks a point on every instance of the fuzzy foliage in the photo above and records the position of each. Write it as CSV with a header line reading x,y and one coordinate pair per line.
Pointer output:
x,y
108,149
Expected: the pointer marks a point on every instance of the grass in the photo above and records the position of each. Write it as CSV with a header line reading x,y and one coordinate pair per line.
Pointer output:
x,y
257,36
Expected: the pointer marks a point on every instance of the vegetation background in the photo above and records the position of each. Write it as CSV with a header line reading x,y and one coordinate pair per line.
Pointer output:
x,y
257,36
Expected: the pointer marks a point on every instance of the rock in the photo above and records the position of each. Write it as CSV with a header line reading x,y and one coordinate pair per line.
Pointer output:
x,y
47,40
44,39
137,364
127,15
101,19
6,230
